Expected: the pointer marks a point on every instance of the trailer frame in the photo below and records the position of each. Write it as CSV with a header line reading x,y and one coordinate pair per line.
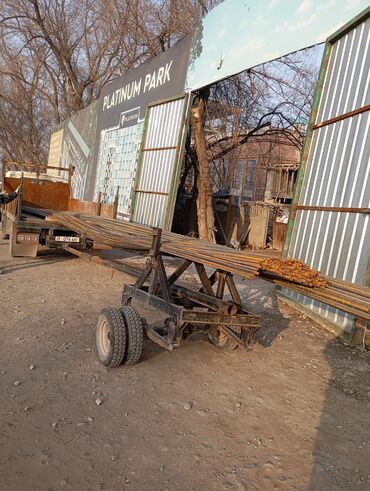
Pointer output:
x,y
189,310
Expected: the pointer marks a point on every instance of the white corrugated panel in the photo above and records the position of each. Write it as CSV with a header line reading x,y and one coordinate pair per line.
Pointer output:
x,y
338,175
159,163
347,80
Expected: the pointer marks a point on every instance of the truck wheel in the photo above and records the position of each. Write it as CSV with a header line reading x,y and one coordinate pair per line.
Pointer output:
x,y
135,335
111,337
4,234
220,340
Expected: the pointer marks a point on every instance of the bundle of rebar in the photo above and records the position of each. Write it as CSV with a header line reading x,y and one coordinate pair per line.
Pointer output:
x,y
133,236
288,273
355,302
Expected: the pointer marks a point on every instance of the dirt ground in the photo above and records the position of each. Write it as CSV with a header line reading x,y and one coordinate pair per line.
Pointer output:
x,y
292,414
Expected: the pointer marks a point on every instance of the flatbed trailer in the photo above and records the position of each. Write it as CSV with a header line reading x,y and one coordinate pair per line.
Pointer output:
x,y
188,307
120,332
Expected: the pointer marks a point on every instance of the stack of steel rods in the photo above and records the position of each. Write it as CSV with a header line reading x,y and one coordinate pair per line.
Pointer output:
x,y
356,305
287,273
132,236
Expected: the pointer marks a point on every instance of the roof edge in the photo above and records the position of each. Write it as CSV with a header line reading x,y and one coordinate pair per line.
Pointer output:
x,y
361,17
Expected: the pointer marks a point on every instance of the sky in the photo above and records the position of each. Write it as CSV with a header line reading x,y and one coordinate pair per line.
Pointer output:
x,y
240,34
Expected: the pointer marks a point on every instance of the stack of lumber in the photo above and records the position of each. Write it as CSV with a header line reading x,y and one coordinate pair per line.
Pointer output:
x,y
288,273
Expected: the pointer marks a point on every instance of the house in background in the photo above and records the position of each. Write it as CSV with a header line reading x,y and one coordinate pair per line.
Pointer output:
x,y
264,169
258,178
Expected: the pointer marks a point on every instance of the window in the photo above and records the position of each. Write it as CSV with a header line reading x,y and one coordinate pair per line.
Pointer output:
x,y
237,174
250,173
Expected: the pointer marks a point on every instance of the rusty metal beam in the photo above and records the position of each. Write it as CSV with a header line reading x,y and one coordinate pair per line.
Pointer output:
x,y
156,149
217,318
350,114
179,271
160,193
206,284
338,209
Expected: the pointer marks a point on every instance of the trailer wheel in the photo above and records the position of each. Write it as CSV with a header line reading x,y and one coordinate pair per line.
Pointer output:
x,y
135,335
111,337
220,340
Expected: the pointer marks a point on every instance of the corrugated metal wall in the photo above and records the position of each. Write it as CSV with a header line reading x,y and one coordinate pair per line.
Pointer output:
x,y
337,175
156,183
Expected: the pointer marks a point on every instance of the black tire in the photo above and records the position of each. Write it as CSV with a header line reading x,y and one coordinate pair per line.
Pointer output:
x,y
220,340
111,338
135,335
3,233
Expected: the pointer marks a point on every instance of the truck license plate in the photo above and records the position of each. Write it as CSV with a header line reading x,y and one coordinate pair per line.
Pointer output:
x,y
62,238
27,238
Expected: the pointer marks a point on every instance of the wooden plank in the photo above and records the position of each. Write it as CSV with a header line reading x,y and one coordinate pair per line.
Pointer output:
x,y
92,208
278,235
40,193
88,207
107,211
258,225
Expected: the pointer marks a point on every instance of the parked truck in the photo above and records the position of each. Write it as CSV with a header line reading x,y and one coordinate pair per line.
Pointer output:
x,y
28,220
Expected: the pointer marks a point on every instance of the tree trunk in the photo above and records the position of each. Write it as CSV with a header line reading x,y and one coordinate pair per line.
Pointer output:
x,y
206,219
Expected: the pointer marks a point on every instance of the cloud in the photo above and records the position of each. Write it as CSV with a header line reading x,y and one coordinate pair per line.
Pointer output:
x,y
222,33
273,3
254,22
351,4
304,6
271,55
246,47
327,5
282,27
303,24
329,32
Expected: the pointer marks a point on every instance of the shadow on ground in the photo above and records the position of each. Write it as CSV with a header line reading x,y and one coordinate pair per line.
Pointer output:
x,y
44,258
260,297
344,423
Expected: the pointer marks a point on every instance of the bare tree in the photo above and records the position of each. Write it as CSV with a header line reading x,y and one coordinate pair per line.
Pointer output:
x,y
264,102
24,115
204,197
62,52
